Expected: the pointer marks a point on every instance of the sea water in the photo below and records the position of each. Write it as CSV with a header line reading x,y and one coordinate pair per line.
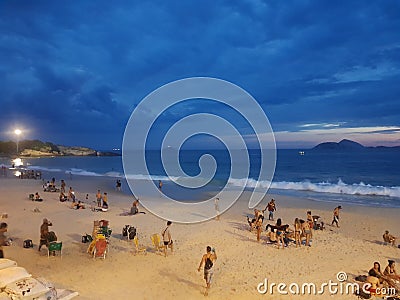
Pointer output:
x,y
362,178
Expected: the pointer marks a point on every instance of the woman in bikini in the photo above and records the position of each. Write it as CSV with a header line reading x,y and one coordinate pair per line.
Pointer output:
x,y
390,270
376,271
305,227
280,233
297,232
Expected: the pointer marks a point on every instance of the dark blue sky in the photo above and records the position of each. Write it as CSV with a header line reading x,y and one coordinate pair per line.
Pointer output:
x,y
71,72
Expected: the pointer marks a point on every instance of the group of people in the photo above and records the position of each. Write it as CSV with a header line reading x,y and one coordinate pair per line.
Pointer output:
x,y
282,234
378,279
102,200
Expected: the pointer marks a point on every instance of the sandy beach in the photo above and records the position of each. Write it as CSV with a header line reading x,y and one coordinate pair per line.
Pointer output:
x,y
243,263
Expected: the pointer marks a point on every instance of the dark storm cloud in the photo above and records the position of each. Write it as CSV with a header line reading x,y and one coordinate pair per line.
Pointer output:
x,y
80,68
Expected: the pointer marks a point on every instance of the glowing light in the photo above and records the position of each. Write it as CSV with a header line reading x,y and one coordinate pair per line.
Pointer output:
x,y
18,162
17,131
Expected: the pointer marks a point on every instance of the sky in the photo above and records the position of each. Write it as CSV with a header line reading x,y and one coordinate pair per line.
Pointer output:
x,y
72,72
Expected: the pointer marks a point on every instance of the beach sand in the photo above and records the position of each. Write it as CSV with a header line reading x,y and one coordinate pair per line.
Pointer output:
x,y
242,262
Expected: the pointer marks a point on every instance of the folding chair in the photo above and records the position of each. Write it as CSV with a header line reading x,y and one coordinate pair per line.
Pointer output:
x,y
54,247
100,248
139,248
156,241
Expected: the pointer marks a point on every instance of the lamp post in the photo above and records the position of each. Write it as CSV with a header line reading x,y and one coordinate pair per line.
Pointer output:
x,y
17,133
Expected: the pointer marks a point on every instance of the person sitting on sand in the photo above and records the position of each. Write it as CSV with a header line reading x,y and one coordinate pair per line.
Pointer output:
x,y
208,260
134,208
78,205
305,227
373,281
105,201
71,194
3,239
388,238
272,237
63,198
376,271
390,270
37,197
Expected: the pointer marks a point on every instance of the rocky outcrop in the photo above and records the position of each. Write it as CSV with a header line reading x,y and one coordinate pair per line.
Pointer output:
x,y
36,148
76,151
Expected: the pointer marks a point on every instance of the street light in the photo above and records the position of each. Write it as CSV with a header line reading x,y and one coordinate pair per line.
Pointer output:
x,y
18,133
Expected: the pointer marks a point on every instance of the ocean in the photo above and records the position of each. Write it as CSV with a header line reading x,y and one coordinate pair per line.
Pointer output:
x,y
370,178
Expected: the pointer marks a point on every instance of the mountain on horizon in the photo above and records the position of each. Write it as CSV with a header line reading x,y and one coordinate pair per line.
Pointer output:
x,y
348,145
343,145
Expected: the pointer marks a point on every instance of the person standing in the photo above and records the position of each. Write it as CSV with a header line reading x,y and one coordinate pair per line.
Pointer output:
x,y
45,237
336,215
208,260
166,234
216,204
297,232
118,185
62,186
271,207
98,198
160,184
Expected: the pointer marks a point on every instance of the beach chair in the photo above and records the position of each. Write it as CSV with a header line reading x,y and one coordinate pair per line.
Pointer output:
x,y
139,248
156,241
54,247
100,249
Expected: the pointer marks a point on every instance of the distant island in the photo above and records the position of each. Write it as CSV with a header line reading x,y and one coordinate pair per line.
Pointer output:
x,y
36,148
347,145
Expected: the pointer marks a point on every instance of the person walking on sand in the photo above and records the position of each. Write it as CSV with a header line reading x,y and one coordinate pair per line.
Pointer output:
x,y
118,185
160,184
208,260
336,215
216,204
166,234
271,207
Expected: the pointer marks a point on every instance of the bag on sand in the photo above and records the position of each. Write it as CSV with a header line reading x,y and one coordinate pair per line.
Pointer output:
x,y
28,244
129,230
86,238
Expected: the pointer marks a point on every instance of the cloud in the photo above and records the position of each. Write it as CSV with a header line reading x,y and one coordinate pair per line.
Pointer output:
x,y
82,68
